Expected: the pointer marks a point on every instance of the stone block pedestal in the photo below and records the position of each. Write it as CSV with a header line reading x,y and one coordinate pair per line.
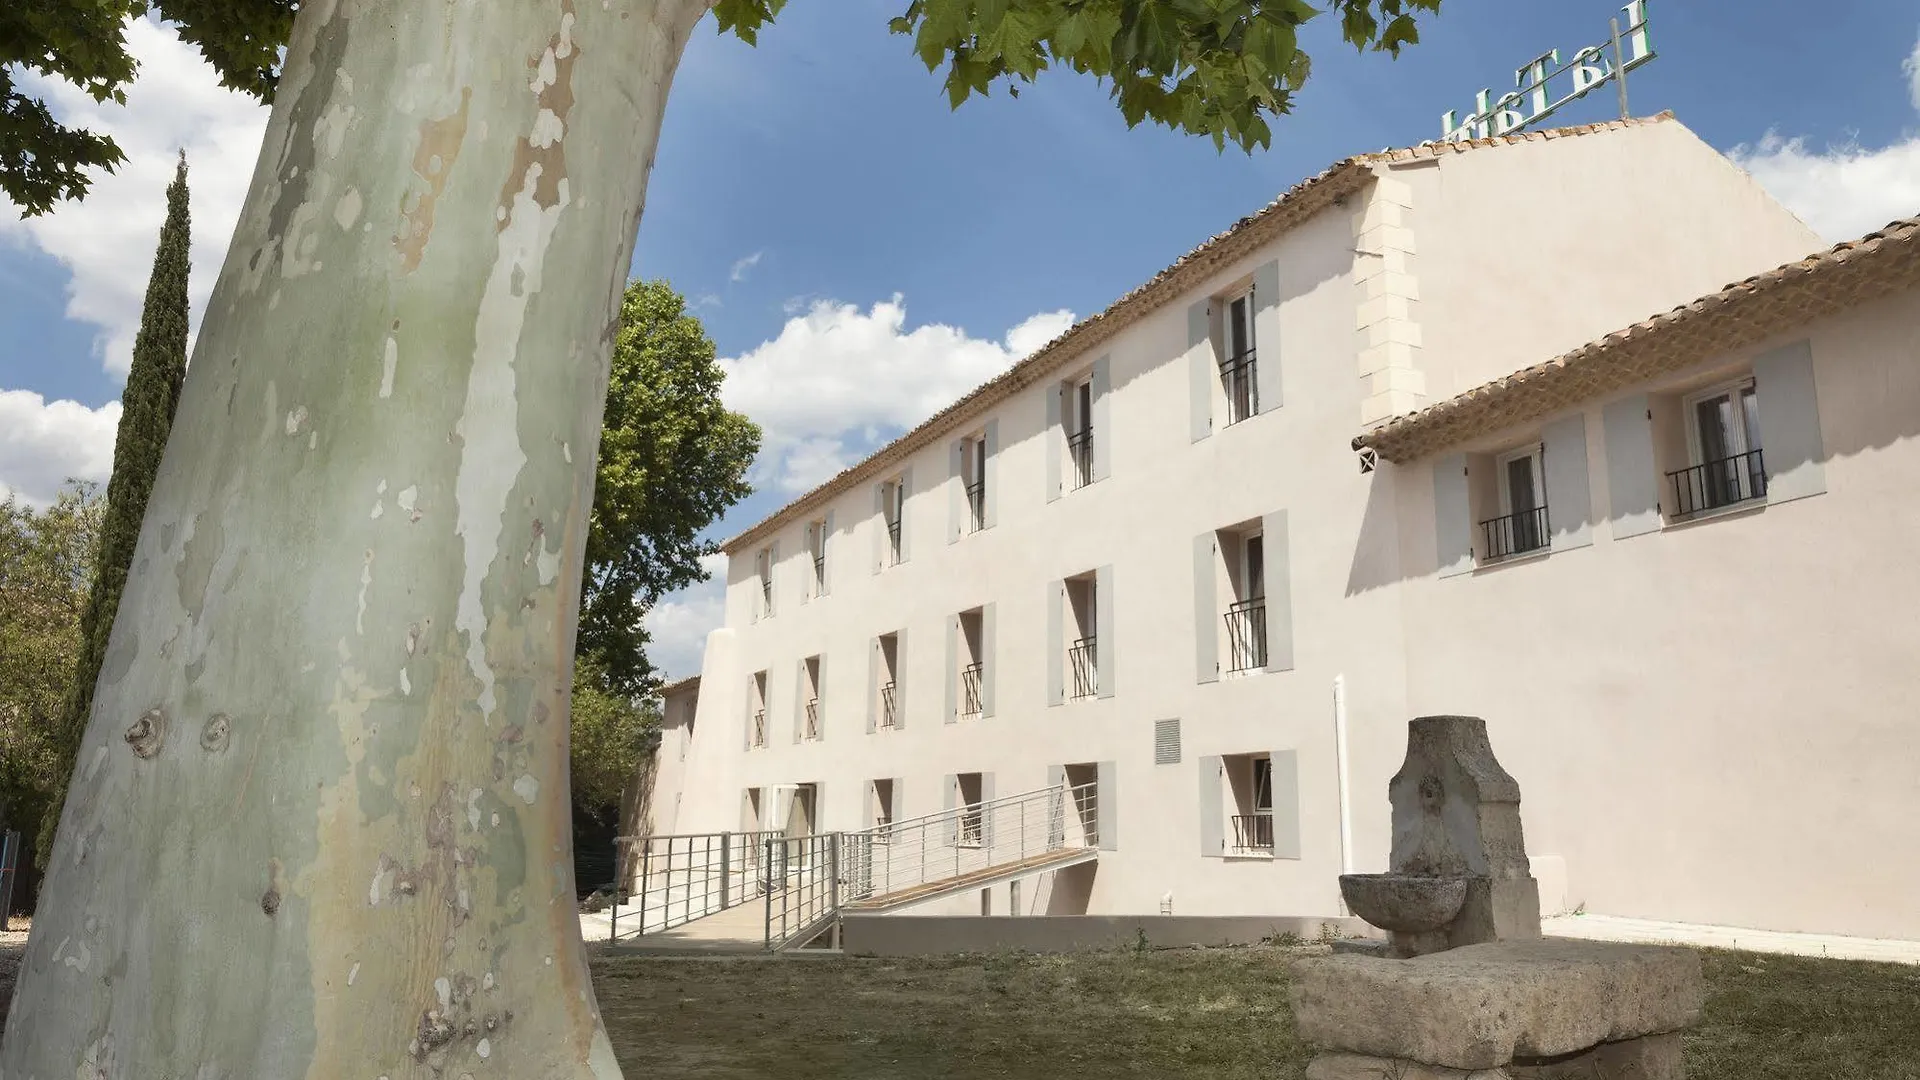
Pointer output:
x,y
1656,1057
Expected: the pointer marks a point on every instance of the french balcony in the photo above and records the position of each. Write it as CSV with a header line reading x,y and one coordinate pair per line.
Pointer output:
x,y
1080,451
1714,484
976,506
972,702
1084,659
1253,833
812,730
889,706
1237,378
1514,534
759,727
893,542
1247,635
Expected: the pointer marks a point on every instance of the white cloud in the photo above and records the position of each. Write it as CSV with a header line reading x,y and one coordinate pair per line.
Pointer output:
x,y
837,378
741,266
107,240
42,443
679,624
1847,190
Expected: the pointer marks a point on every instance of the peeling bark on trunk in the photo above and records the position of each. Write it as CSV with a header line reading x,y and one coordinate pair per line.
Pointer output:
x,y
319,824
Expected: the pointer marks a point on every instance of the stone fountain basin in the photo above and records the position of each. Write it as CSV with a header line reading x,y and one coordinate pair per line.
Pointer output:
x,y
1407,903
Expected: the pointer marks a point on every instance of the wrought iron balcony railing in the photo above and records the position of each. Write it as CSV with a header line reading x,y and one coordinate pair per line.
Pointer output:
x,y
1080,450
1084,658
759,727
1253,832
813,718
1715,484
893,542
976,506
1514,534
819,572
1237,378
766,595
971,701
1247,635
889,715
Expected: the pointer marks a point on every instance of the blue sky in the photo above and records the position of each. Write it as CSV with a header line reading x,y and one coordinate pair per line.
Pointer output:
x,y
862,254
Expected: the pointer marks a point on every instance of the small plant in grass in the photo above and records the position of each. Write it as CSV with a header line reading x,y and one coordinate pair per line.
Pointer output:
x,y
1141,946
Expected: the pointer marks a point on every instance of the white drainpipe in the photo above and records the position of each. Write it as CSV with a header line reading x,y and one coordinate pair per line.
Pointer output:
x,y
1340,760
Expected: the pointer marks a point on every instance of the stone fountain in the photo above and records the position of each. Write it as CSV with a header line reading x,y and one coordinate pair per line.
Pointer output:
x,y
1466,988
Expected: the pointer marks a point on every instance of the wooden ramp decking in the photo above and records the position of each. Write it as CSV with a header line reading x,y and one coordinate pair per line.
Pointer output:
x,y
739,929
977,879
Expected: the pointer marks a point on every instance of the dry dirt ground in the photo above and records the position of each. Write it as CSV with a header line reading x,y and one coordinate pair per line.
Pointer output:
x,y
1214,1014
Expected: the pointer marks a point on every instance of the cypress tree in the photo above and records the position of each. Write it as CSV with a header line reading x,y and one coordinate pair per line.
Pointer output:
x,y
147,404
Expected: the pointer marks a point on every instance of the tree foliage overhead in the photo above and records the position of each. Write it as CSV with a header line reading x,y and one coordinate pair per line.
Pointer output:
x,y
672,460
46,570
42,161
1219,68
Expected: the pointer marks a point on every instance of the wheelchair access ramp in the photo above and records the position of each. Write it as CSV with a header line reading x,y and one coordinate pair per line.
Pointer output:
x,y
752,892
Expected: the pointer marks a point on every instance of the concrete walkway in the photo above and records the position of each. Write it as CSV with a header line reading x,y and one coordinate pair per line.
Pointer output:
x,y
1651,932
739,929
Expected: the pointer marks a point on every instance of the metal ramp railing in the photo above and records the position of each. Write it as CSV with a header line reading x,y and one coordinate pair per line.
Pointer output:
x,y
806,882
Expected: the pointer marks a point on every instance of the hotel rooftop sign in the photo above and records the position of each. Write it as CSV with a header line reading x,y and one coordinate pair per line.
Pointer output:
x,y
1588,69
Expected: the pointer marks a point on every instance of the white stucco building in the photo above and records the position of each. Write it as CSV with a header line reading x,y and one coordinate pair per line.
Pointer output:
x,y
1668,557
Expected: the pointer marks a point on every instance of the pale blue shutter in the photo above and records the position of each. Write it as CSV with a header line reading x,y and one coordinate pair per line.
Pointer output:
x,y
906,500
956,490
949,803
806,573
900,679
1200,370
1206,616
990,514
986,814
1106,805
874,659
1277,549
1056,644
799,699
773,577
1633,480
952,713
1266,336
820,691
1563,460
879,526
1213,844
1452,515
1286,804
1102,394
1053,436
827,548
746,715
1105,670
1791,447
989,661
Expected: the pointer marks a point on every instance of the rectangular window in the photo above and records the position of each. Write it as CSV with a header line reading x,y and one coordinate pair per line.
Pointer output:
x,y
894,508
1521,524
1237,365
817,549
1247,613
759,730
889,706
810,725
972,660
881,796
1725,465
1083,653
1079,418
972,810
763,569
1251,776
973,474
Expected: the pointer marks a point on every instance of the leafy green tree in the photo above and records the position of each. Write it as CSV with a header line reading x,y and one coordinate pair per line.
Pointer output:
x,y
611,735
47,560
672,460
147,404
324,792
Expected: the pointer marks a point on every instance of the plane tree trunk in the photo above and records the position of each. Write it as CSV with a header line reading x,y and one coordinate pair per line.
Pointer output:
x,y
319,822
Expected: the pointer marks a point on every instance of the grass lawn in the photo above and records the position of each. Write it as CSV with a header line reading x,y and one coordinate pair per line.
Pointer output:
x,y
1215,1014
1207,1014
